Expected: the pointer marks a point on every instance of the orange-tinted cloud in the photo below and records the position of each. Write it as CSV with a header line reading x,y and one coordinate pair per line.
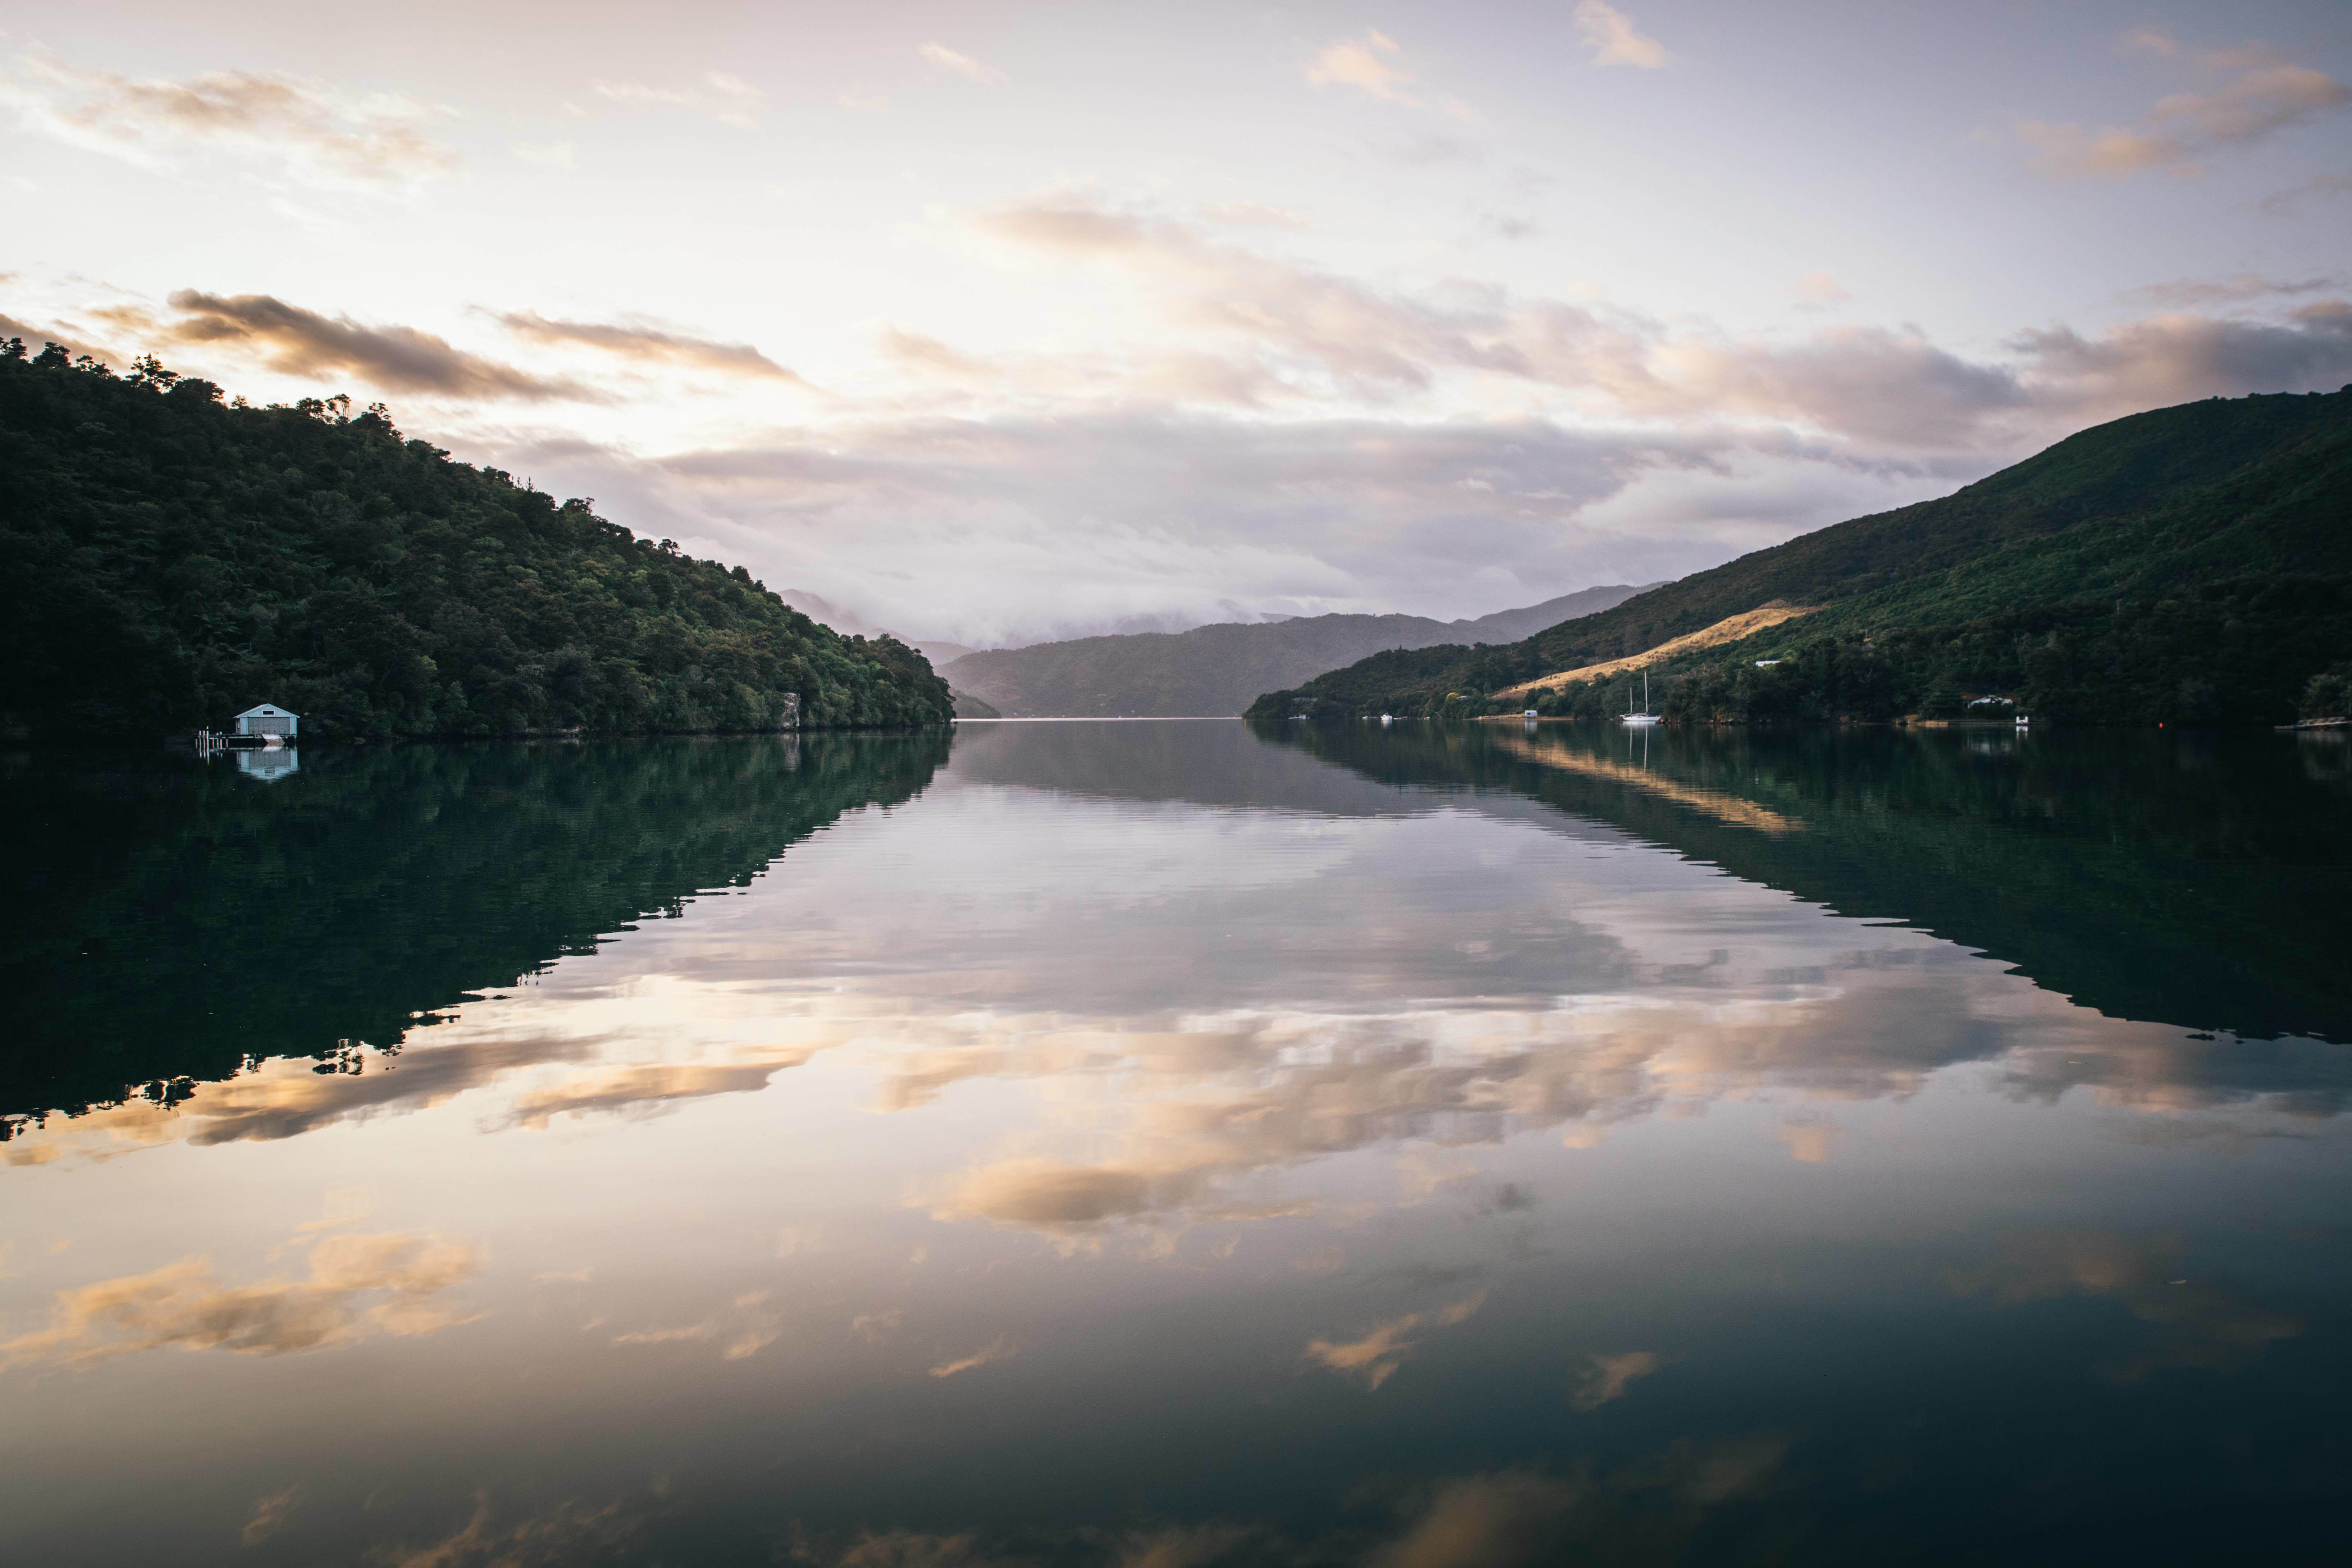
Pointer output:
x,y
1372,64
1001,1349
359,1286
962,65
645,344
1376,1355
1482,1521
1607,1377
649,1086
311,130
1611,37
293,341
721,95
2263,95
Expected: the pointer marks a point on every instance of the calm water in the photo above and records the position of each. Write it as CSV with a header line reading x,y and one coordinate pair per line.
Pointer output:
x,y
1155,1145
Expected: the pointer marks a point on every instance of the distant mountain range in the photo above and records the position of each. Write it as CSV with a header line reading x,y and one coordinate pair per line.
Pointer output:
x,y
1216,669
2190,566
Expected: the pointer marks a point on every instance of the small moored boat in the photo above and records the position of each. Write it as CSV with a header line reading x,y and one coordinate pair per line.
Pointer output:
x,y
1644,716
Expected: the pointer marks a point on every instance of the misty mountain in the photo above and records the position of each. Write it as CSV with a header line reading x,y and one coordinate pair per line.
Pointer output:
x,y
1217,669
849,622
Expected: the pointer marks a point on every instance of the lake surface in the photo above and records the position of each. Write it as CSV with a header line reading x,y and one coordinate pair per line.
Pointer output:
x,y
1163,1145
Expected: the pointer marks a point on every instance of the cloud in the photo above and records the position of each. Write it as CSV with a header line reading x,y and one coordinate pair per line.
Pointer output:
x,y
1308,333
1818,291
2263,95
649,1087
878,1327
1482,1521
1428,149
745,1326
552,154
987,1355
268,1513
964,66
358,1287
1048,1194
2195,1321
296,342
2283,204
283,1098
1179,1546
1370,64
648,344
928,356
1809,1137
2221,290
314,133
566,1533
71,341
2174,358
724,96
1611,36
908,1549
1376,1355
1606,1377
1252,214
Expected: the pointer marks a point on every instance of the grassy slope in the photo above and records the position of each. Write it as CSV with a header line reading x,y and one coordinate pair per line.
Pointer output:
x,y
2225,520
174,561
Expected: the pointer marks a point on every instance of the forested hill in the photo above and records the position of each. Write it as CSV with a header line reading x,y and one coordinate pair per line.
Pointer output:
x,y
1215,670
2190,564
173,560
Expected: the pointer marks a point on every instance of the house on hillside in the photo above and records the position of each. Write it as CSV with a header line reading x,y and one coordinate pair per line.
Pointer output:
x,y
268,719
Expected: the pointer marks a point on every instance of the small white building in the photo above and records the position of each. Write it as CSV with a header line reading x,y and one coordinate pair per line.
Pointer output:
x,y
268,720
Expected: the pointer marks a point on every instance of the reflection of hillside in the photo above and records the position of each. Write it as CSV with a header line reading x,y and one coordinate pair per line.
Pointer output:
x,y
1634,776
173,921
2191,880
1205,763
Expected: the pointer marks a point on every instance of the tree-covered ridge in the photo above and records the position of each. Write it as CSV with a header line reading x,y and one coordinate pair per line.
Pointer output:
x,y
174,560
2193,565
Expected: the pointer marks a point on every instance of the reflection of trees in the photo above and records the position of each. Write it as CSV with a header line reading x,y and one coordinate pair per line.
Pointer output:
x,y
173,921
2192,881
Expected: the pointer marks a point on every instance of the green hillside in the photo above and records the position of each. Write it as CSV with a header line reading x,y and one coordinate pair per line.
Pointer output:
x,y
174,561
2191,564
1217,669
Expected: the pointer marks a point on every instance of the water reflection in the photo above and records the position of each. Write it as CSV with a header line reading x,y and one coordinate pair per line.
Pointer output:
x,y
2190,878
170,923
1157,1144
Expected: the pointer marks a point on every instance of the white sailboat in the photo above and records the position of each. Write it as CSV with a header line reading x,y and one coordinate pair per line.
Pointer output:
x,y
1644,716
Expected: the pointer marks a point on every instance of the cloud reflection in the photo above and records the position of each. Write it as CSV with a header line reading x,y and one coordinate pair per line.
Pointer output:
x,y
1375,1356
2194,1321
1607,1377
358,1287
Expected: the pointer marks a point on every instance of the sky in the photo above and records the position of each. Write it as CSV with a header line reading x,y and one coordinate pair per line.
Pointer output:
x,y
995,322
